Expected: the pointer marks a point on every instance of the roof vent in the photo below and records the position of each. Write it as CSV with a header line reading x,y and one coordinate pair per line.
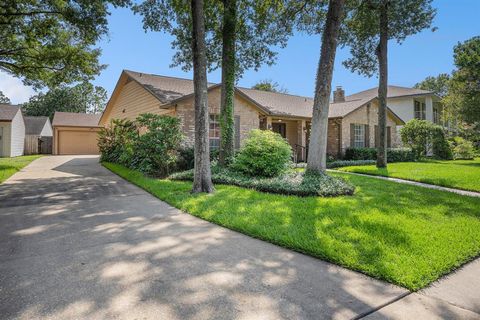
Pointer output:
x,y
338,95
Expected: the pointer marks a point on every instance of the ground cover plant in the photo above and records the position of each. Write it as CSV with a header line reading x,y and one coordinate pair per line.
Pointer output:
x,y
403,234
290,183
9,166
460,174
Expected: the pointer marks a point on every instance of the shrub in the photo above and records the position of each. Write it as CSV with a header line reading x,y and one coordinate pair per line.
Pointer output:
x,y
291,183
115,141
462,149
155,151
186,158
264,154
393,154
347,163
424,137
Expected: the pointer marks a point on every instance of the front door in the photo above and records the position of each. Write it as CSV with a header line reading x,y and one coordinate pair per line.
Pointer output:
x,y
280,128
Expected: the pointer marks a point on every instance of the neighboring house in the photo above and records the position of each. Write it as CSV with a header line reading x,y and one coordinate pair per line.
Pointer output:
x,y
352,122
38,135
75,133
12,131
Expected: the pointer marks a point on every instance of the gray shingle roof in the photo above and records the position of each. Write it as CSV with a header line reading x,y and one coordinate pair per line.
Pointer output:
x,y
34,125
8,112
71,119
167,89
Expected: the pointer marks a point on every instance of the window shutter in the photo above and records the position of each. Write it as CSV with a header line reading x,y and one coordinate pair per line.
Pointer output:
x,y
389,137
352,135
367,136
376,136
237,132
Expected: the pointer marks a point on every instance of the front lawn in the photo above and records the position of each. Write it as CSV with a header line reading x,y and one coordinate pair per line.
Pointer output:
x,y
9,166
460,174
403,234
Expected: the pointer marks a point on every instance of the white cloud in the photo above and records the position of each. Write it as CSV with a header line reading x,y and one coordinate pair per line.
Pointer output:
x,y
14,89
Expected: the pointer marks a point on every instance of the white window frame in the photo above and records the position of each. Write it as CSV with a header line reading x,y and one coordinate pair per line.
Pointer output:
x,y
420,109
214,133
358,135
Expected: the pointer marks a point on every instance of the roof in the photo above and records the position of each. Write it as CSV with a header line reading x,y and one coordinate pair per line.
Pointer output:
x,y
169,90
8,112
392,92
35,125
165,89
71,119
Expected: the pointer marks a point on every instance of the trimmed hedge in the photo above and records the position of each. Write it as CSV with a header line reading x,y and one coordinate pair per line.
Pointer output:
x,y
393,154
292,183
347,163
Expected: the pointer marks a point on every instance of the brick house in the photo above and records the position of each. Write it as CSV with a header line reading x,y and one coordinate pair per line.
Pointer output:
x,y
352,122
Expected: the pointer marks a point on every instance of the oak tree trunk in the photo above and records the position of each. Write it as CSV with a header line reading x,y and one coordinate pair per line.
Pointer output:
x,y
317,153
202,180
382,87
227,121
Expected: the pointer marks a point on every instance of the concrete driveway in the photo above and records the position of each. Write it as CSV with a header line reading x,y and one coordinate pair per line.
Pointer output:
x,y
78,242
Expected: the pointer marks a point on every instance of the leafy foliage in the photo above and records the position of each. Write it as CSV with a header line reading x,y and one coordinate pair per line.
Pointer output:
x,y
291,183
148,144
438,85
424,137
462,149
4,98
393,154
269,85
83,97
264,154
347,163
51,42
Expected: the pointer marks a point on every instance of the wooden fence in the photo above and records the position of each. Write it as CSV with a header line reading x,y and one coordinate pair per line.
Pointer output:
x,y
37,145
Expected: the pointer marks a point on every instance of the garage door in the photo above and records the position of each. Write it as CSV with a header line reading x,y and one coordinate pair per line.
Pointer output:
x,y
77,142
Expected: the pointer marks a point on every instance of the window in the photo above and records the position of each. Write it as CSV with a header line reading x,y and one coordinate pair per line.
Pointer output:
x,y
420,110
437,113
359,135
214,131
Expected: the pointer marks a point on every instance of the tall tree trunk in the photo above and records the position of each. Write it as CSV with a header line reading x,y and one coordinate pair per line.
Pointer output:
x,y
382,87
202,179
227,121
317,153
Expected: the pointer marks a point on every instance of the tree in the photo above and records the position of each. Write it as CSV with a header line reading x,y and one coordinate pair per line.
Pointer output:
x,y
269,85
317,155
370,25
81,98
438,85
51,42
463,99
202,179
4,98
240,35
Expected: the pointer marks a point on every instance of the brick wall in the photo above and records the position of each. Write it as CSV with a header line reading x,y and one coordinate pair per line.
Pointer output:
x,y
334,137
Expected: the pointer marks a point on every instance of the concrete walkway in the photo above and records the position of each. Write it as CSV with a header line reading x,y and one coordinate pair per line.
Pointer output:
x,y
78,242
415,183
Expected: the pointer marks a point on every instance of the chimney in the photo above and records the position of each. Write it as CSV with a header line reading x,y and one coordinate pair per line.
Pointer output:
x,y
338,95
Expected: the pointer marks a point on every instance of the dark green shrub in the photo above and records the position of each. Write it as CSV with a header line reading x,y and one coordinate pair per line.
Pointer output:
x,y
462,149
347,163
291,183
393,154
425,138
186,158
440,147
155,150
264,154
115,141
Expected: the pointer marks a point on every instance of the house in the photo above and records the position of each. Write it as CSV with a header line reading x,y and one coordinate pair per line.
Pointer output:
x,y
38,135
352,122
12,131
75,133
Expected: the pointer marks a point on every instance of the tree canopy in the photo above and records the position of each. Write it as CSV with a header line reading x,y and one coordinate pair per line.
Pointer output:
x,y
4,98
81,98
438,85
47,43
269,85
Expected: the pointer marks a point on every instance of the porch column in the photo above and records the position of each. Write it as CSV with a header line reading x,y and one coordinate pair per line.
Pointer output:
x,y
429,109
302,137
269,123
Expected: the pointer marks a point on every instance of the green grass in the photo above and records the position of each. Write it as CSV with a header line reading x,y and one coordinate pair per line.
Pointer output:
x,y
8,166
460,174
403,234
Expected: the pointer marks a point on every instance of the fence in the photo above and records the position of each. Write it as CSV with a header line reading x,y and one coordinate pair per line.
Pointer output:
x,y
37,145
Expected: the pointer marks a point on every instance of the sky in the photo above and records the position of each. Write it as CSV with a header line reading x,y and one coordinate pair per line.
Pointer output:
x,y
425,54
